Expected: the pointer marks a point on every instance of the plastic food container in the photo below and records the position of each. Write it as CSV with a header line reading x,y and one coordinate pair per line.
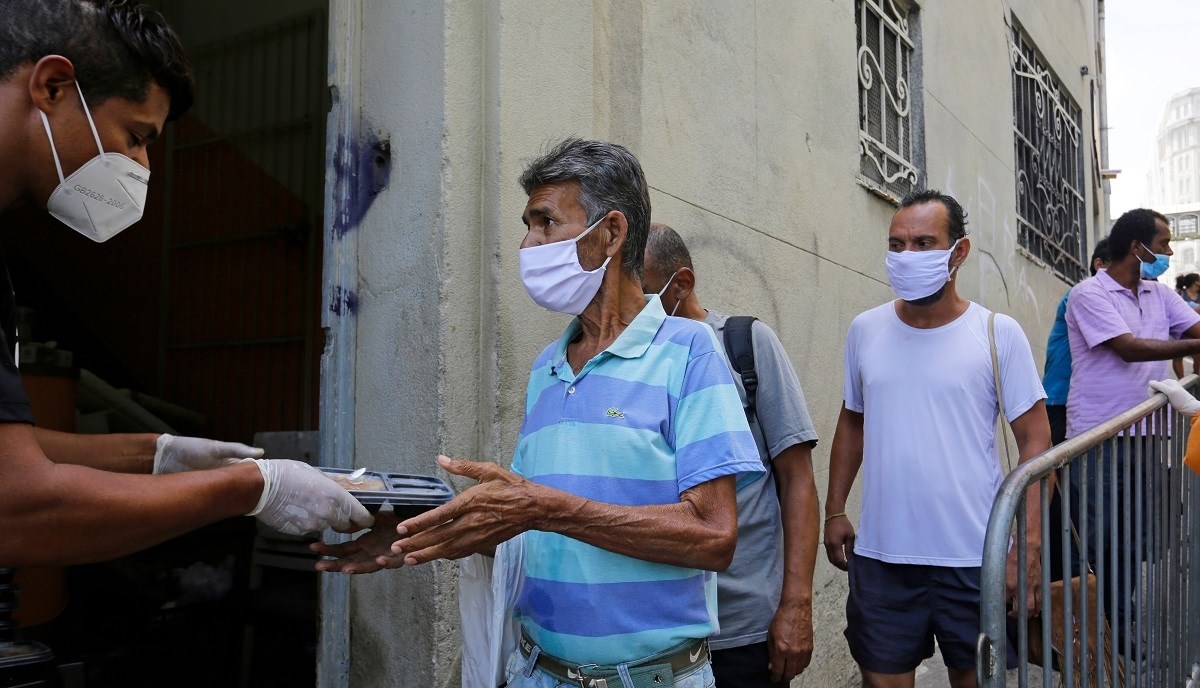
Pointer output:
x,y
408,495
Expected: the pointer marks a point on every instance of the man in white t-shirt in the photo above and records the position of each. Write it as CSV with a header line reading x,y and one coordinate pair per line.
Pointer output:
x,y
919,418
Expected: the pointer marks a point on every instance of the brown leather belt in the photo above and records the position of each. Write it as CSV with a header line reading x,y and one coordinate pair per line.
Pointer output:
x,y
681,661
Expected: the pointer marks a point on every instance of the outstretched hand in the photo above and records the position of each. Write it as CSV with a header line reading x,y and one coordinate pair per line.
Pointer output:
x,y
368,553
500,507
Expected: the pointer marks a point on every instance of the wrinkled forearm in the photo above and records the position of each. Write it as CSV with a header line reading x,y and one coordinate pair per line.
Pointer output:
x,y
700,531
120,453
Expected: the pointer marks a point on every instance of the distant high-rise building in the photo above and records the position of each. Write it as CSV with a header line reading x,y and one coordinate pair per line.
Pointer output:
x,y
1175,178
1175,175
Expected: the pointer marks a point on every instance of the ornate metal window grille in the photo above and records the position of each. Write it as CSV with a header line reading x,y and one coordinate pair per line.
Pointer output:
x,y
885,107
1051,221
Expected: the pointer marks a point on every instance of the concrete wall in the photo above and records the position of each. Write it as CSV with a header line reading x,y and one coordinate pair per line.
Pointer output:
x,y
744,115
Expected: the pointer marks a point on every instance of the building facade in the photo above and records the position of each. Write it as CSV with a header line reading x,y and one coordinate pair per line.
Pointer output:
x,y
331,240
1175,178
776,137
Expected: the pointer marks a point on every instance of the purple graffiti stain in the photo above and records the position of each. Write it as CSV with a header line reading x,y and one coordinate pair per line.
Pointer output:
x,y
343,302
362,168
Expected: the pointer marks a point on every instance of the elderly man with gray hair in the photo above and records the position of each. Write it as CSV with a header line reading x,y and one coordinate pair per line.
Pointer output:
x,y
623,480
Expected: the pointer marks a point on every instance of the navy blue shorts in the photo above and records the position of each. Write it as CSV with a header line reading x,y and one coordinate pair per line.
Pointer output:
x,y
895,611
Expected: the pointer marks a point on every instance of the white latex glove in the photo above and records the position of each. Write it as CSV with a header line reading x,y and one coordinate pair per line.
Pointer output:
x,y
298,499
1180,398
179,454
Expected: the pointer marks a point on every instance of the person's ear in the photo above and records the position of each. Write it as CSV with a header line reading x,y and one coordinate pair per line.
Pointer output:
x,y
51,81
616,229
683,284
1133,249
960,253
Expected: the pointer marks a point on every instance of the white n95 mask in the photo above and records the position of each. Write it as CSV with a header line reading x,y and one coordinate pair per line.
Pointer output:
x,y
104,196
554,278
917,274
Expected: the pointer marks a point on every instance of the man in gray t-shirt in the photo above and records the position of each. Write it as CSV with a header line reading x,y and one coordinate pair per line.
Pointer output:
x,y
764,598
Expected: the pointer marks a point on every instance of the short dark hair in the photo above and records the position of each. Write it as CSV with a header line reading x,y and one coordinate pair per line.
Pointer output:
x,y
1100,252
1186,281
954,210
609,178
116,46
665,251
1140,224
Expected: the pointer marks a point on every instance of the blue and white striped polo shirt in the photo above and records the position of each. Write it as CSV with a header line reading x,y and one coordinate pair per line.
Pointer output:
x,y
648,418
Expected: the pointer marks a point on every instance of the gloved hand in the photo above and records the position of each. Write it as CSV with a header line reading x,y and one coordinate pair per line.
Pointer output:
x,y
178,454
1180,398
298,499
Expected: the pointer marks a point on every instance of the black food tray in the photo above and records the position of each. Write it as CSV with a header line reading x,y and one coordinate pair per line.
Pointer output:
x,y
408,495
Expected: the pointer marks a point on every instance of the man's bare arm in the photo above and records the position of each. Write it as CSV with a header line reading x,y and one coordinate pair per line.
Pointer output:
x,y
698,531
845,460
120,453
1134,349
1032,432
63,514
790,635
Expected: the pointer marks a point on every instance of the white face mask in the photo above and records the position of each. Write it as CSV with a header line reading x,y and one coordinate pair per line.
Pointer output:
x,y
555,279
104,196
917,274
664,290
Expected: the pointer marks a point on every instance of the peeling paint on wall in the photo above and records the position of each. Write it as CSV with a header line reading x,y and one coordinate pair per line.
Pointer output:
x,y
343,302
363,166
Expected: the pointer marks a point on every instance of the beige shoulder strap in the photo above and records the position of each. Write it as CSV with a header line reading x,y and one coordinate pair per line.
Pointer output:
x,y
999,388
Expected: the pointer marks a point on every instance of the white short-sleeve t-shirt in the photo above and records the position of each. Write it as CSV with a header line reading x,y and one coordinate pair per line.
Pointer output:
x,y
930,465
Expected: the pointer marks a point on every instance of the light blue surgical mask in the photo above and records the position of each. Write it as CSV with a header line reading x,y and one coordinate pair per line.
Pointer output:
x,y
1155,269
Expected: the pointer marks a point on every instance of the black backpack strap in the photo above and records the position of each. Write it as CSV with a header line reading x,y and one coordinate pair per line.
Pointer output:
x,y
739,347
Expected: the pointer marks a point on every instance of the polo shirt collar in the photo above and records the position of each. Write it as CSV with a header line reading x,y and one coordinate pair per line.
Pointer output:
x,y
1111,284
631,343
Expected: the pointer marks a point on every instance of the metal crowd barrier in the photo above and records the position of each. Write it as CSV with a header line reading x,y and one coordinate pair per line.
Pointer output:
x,y
1136,507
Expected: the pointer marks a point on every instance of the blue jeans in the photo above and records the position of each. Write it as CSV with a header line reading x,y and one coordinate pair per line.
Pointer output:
x,y
514,673
1111,531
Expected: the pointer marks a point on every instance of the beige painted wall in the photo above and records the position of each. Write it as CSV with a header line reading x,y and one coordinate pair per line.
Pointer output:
x,y
744,115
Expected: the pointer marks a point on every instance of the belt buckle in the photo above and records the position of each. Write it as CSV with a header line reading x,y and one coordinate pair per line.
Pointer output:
x,y
576,674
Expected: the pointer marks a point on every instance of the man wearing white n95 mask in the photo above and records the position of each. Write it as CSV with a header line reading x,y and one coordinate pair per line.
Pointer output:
x,y
85,87
919,419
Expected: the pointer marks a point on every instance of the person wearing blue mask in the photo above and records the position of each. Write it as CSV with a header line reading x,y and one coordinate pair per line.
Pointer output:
x,y
1124,326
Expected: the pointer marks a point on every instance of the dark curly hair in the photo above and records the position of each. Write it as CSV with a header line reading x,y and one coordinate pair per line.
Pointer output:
x,y
116,46
1140,225
954,210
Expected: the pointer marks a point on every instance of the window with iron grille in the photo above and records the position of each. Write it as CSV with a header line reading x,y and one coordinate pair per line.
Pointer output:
x,y
1048,143
889,133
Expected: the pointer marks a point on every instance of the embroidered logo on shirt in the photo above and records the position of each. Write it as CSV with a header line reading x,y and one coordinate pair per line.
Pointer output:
x,y
614,413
